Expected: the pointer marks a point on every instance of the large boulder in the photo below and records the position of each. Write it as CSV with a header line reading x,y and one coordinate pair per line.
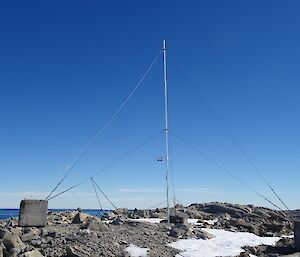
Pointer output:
x,y
132,215
193,213
13,241
143,213
32,253
95,225
178,218
182,231
33,233
204,235
120,211
242,224
14,252
274,227
118,221
220,208
80,218
4,233
108,215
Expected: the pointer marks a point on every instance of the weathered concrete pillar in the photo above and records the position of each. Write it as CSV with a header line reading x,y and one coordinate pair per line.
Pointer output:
x,y
297,234
33,213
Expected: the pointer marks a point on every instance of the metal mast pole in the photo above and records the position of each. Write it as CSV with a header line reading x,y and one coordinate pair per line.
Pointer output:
x,y
166,127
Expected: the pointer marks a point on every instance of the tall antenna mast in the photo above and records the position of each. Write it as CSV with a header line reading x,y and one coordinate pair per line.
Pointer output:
x,y
166,127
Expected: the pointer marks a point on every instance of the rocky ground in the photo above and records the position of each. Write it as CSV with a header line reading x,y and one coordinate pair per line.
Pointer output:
x,y
76,234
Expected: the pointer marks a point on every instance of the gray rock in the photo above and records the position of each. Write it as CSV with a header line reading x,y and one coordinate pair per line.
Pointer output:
x,y
75,251
157,215
32,253
95,225
14,252
120,211
80,218
178,218
223,208
4,233
204,235
16,231
177,232
194,214
13,242
34,233
108,215
118,221
1,251
143,213
132,215
274,227
181,230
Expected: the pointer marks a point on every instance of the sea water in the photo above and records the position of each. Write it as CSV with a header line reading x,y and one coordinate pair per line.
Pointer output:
x,y
9,213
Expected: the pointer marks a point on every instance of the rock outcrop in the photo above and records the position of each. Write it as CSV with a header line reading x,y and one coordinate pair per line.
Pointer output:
x,y
74,233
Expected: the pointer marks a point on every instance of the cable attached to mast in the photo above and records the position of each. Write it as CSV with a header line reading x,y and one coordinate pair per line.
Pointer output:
x,y
100,206
230,136
226,171
93,139
110,164
103,193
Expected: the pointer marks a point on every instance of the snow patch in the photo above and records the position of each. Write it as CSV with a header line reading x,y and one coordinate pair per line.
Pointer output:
x,y
190,221
135,251
151,220
211,222
193,221
225,243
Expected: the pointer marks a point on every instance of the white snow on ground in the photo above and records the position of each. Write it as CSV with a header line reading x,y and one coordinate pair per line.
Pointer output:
x,y
156,220
190,221
151,220
211,222
225,243
136,251
288,236
193,221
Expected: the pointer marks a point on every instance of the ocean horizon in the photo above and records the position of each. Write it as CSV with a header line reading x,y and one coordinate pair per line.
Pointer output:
x,y
6,213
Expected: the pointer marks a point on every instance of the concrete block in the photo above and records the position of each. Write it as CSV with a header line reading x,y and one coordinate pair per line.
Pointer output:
x,y
33,213
297,234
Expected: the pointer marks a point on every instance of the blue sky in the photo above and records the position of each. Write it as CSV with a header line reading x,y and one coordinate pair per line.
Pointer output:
x,y
65,66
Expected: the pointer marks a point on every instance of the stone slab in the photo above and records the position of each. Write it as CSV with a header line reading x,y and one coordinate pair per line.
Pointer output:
x,y
33,213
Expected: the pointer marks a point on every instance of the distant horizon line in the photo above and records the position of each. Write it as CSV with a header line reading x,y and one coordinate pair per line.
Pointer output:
x,y
61,209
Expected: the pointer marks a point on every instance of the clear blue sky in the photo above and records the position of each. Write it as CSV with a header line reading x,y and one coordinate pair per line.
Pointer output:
x,y
65,66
